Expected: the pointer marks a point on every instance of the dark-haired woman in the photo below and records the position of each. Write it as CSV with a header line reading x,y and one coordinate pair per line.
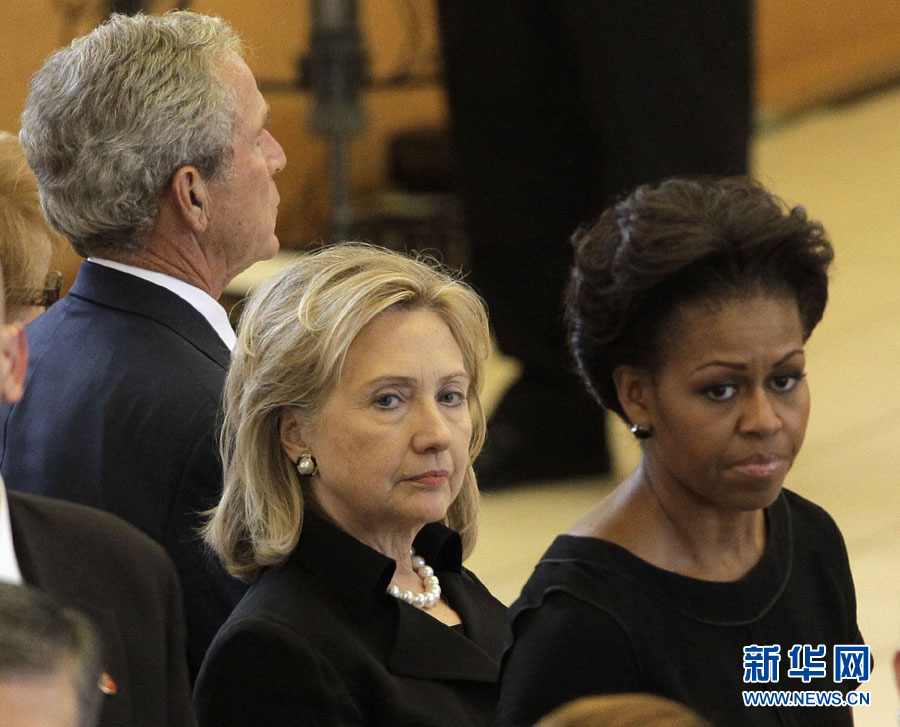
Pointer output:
x,y
688,307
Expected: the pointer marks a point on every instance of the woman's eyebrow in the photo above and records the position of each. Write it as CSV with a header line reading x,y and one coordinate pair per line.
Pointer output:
x,y
738,366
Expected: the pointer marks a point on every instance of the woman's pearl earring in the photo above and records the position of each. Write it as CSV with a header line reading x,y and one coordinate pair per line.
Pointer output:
x,y
306,465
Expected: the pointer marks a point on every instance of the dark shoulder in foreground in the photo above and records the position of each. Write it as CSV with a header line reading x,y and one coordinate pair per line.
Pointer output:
x,y
93,529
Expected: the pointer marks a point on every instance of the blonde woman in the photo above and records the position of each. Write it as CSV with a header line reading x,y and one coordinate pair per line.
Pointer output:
x,y
352,418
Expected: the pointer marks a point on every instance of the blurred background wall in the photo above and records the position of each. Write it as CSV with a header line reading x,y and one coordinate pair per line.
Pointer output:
x,y
807,52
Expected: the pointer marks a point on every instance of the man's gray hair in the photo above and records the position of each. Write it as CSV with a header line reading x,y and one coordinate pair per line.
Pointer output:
x,y
111,117
39,637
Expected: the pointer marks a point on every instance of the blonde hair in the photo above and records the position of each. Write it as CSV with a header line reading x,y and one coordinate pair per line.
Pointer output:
x,y
293,338
26,238
623,710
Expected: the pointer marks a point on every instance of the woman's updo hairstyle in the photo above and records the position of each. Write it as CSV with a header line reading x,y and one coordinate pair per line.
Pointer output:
x,y
682,242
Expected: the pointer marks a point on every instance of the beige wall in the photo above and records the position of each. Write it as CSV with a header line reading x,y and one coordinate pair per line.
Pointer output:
x,y
807,51
814,50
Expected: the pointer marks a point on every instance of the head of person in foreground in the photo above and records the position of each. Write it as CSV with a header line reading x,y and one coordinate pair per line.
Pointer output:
x,y
49,662
623,710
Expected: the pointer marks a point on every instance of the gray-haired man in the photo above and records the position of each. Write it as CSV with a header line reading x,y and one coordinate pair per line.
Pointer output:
x,y
149,140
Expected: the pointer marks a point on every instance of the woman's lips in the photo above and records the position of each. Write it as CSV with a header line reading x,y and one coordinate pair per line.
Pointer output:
x,y
763,465
432,478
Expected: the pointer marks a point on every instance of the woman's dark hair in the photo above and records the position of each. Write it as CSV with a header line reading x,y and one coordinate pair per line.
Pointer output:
x,y
682,242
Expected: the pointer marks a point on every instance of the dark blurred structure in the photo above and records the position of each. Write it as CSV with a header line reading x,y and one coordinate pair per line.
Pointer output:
x,y
422,210
334,70
131,7
419,211
556,108
126,7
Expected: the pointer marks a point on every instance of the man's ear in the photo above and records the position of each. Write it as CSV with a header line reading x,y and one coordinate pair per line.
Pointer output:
x,y
292,434
14,353
635,389
190,194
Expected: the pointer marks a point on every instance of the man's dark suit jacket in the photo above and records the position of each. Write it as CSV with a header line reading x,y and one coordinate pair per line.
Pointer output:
x,y
120,412
318,641
126,585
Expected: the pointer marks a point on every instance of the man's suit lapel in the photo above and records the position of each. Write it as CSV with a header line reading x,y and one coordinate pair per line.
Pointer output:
x,y
23,548
114,289
43,562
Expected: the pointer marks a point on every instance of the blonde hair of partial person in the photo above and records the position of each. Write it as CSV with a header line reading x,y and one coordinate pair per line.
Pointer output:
x,y
27,241
623,710
111,117
293,338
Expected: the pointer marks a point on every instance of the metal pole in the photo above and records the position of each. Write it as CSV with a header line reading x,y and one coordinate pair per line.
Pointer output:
x,y
335,68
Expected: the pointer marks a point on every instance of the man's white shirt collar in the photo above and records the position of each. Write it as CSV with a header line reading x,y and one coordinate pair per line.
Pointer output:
x,y
9,566
200,300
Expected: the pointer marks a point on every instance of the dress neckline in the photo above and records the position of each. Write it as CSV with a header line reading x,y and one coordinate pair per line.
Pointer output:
x,y
738,601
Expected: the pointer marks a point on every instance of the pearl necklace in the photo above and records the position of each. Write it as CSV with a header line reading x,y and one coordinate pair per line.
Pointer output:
x,y
432,592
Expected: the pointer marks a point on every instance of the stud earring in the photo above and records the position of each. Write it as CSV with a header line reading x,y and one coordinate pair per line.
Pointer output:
x,y
306,465
640,432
